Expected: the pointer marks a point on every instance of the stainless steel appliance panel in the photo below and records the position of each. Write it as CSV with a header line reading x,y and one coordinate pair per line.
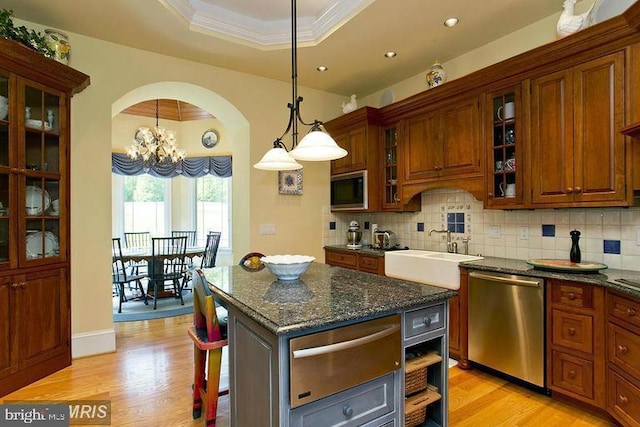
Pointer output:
x,y
506,324
328,362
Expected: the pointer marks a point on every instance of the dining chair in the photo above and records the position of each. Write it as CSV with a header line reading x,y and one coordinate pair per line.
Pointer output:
x,y
209,336
137,239
211,250
192,238
167,265
120,277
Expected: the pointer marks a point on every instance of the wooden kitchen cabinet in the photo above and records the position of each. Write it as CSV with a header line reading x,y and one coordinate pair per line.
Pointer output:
x,y
356,132
623,368
354,260
34,214
443,142
577,151
575,333
506,148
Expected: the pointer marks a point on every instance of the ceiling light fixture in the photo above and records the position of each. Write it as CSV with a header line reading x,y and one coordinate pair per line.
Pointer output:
x,y
156,146
390,54
316,145
451,22
322,68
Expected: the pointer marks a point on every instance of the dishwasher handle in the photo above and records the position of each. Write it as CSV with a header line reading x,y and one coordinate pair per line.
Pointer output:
x,y
508,280
316,351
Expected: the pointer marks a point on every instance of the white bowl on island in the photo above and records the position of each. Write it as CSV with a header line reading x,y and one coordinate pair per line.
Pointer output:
x,y
287,267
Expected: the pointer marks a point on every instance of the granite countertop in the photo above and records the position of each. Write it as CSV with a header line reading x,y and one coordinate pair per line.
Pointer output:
x,y
365,250
325,295
607,277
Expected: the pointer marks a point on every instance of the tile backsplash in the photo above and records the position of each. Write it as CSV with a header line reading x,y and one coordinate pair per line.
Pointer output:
x,y
608,235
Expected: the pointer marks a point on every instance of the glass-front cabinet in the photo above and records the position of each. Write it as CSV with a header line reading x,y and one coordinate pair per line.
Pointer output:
x,y
32,173
390,198
505,149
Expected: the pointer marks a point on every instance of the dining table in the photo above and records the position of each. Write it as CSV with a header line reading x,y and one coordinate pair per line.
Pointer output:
x,y
144,254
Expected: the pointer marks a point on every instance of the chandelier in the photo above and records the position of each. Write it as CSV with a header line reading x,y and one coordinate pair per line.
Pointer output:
x,y
156,146
316,145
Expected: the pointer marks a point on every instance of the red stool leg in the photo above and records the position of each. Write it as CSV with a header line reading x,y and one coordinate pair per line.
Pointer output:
x,y
213,384
199,357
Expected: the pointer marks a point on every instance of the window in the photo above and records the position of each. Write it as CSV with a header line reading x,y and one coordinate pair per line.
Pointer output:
x,y
213,208
146,203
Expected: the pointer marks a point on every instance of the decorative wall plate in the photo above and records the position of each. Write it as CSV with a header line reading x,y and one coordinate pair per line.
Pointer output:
x,y
290,182
210,138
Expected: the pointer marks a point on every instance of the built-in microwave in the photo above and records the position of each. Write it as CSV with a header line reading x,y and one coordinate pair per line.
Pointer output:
x,y
349,191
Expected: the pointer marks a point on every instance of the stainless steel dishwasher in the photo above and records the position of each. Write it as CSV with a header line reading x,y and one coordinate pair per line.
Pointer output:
x,y
506,324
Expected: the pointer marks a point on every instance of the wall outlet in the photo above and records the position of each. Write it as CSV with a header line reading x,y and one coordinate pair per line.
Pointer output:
x,y
523,233
494,232
267,229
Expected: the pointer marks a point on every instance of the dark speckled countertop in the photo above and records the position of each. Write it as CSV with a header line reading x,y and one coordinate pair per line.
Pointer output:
x,y
325,295
607,277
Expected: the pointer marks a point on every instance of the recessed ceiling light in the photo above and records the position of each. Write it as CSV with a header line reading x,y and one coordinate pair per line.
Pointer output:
x,y
390,54
451,22
322,68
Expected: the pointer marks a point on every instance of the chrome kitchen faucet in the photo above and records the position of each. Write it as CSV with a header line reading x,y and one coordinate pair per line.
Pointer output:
x,y
452,247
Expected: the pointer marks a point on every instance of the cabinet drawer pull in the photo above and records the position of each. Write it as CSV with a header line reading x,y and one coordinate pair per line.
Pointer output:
x,y
631,312
571,331
572,374
426,320
623,349
347,411
623,399
571,296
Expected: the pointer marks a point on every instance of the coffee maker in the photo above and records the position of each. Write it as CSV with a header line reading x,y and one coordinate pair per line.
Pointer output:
x,y
354,235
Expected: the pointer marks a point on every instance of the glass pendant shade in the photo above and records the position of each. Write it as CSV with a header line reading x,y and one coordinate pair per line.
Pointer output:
x,y
277,159
317,146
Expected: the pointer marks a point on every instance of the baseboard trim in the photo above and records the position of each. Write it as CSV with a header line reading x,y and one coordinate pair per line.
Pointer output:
x,y
93,343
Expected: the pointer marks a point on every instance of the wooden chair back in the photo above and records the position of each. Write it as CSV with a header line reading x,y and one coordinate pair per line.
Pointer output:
x,y
118,268
137,239
205,318
211,250
192,239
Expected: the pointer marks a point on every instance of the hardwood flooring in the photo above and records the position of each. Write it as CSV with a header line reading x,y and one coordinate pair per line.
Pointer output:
x,y
149,384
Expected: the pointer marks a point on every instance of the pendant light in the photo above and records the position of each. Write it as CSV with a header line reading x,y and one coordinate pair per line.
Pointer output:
x,y
317,145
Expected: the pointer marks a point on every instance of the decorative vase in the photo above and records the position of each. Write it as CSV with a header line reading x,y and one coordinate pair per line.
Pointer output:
x,y
59,42
436,75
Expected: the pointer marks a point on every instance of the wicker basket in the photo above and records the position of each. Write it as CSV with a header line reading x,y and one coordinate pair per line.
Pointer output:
x,y
415,372
415,407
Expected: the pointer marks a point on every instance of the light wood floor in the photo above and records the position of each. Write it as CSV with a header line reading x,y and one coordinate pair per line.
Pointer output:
x,y
149,384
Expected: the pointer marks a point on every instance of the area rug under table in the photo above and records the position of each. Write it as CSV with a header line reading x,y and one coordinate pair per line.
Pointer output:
x,y
167,307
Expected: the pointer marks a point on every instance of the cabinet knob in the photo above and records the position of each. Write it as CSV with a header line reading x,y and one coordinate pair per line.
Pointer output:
x,y
571,331
622,349
572,374
15,285
631,312
571,296
623,399
569,190
578,190
347,411
490,194
426,320
438,168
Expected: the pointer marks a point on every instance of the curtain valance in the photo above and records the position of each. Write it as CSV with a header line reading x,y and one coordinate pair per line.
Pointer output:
x,y
192,167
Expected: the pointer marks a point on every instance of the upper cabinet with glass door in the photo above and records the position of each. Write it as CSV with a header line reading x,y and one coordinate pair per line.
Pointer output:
x,y
42,161
5,171
505,149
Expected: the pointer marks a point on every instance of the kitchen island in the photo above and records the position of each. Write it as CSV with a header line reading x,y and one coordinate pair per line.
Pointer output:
x,y
268,318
